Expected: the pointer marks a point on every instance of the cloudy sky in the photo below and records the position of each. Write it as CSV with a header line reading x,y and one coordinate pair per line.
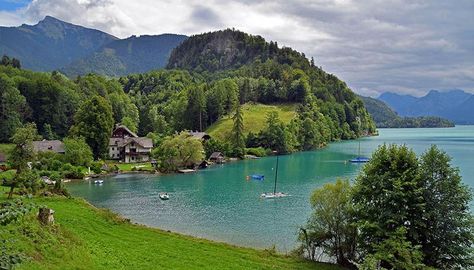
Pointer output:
x,y
374,45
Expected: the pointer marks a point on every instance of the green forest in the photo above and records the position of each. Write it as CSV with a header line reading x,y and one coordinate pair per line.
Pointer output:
x,y
202,83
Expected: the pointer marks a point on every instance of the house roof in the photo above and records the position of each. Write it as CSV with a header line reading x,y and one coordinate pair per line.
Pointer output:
x,y
45,145
121,142
126,128
199,135
144,142
216,155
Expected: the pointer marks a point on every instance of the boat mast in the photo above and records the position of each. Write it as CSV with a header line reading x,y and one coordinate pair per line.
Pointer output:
x,y
276,177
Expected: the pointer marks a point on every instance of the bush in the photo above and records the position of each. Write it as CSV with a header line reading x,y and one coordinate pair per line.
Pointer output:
x,y
96,167
73,173
256,151
67,167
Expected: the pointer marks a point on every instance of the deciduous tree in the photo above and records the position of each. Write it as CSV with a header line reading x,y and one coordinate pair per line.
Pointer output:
x,y
448,238
330,227
94,122
21,154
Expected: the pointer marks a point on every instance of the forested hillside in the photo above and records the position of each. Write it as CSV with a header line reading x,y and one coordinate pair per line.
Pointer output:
x,y
51,100
266,73
161,103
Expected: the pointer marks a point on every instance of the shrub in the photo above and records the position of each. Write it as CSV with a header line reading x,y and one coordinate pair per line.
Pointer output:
x,y
256,151
96,167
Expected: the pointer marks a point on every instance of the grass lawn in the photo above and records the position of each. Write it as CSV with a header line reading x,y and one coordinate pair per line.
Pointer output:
x,y
85,237
144,166
254,116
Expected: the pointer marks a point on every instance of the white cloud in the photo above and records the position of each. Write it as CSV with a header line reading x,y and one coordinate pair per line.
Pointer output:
x,y
396,45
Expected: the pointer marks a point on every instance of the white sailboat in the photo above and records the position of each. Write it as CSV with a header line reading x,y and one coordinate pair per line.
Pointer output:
x,y
359,158
274,194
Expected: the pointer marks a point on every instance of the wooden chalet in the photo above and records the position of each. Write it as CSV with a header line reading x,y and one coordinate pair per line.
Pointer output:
x,y
126,146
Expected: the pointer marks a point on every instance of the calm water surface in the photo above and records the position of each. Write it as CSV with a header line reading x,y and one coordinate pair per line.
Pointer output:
x,y
218,203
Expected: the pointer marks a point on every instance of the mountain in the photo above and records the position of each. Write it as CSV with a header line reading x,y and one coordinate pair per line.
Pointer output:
x,y
386,117
50,44
400,103
455,105
75,50
126,56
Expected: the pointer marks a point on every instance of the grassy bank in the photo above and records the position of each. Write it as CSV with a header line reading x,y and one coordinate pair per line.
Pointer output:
x,y
88,238
254,116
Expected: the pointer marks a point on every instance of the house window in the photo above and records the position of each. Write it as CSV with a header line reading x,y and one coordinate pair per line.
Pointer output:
x,y
113,149
133,158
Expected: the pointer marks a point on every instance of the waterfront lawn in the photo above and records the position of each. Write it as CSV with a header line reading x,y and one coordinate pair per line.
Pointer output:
x,y
254,116
85,237
127,167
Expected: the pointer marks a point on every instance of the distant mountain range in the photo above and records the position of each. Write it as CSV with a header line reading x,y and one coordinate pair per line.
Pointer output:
x,y
455,105
386,117
75,50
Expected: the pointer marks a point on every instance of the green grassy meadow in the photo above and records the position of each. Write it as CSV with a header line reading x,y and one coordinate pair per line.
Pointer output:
x,y
254,116
85,237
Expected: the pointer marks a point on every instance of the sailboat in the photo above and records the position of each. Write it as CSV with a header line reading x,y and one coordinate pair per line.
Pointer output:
x,y
274,194
359,158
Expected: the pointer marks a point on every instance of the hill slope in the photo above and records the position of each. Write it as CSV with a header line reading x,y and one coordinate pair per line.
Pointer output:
x,y
50,44
126,56
254,116
88,238
455,105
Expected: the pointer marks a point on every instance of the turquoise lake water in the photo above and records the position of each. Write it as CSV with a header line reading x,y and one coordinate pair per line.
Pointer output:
x,y
220,204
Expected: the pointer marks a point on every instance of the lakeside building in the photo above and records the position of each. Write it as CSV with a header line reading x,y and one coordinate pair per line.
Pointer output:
x,y
126,146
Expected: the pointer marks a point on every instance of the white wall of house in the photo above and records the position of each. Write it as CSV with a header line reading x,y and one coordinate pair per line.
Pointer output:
x,y
114,152
143,154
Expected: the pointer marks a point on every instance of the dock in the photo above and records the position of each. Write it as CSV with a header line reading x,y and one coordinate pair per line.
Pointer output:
x,y
186,171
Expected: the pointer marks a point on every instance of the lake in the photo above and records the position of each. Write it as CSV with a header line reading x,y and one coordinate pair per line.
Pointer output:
x,y
220,204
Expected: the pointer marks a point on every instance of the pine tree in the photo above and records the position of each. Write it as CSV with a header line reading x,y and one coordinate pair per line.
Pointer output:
x,y
238,137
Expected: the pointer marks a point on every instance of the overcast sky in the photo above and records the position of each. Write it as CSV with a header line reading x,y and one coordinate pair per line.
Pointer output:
x,y
375,46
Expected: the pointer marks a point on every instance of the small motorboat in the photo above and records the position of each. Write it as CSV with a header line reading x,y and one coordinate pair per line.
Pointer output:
x,y
259,177
360,160
164,196
98,182
271,195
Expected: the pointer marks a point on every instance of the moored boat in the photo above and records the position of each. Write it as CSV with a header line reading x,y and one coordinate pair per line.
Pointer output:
x,y
271,195
164,196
